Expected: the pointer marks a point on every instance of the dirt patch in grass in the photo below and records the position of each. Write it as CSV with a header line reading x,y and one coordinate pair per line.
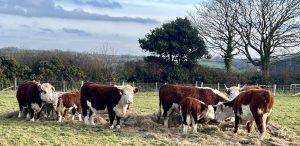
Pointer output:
x,y
145,125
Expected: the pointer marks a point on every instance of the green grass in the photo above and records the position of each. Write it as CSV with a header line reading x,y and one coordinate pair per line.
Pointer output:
x,y
22,132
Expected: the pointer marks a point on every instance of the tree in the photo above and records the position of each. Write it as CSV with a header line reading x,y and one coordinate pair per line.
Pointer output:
x,y
215,21
10,68
177,42
268,28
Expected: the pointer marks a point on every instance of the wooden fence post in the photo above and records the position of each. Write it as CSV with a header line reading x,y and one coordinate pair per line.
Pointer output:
x,y
64,86
81,84
15,84
274,89
218,86
196,83
201,84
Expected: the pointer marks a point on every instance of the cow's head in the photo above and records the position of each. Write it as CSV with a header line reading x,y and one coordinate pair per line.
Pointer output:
x,y
209,112
232,91
223,111
127,92
47,92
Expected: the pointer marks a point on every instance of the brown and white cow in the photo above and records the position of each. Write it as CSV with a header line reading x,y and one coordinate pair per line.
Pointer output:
x,y
69,101
31,95
252,105
98,98
194,109
171,95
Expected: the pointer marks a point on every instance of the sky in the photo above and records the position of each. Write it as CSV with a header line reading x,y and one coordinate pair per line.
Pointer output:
x,y
103,26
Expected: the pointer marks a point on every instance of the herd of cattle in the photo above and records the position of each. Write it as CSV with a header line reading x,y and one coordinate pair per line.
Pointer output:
x,y
246,105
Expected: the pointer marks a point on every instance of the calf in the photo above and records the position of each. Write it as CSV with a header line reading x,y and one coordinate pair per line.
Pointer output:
x,y
171,95
66,102
191,107
96,98
253,105
32,93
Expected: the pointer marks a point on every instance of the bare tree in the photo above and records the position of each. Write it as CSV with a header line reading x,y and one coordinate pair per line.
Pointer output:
x,y
268,28
215,21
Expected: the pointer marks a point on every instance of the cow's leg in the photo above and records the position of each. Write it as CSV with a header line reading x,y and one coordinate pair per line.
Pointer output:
x,y
20,111
194,123
73,113
112,115
31,113
86,116
236,123
92,116
249,127
118,122
166,114
79,110
59,116
259,120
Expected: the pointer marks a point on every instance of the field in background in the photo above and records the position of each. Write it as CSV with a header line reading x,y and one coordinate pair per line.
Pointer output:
x,y
22,132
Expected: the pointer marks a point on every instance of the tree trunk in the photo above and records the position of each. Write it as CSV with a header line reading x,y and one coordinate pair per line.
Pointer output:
x,y
228,56
265,65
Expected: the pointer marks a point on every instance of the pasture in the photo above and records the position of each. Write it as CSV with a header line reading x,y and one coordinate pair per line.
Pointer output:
x,y
140,129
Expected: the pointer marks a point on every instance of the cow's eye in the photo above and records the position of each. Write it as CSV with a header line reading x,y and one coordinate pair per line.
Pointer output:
x,y
44,92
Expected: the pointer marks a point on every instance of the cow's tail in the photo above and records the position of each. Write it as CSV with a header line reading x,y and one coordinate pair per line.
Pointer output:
x,y
159,112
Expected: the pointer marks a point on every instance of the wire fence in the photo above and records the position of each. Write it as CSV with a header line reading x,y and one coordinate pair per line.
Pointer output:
x,y
293,89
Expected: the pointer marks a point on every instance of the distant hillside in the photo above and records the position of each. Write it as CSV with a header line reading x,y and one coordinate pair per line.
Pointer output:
x,y
286,64
238,64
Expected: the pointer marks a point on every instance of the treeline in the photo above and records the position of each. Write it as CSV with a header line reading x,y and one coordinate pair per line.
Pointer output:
x,y
72,66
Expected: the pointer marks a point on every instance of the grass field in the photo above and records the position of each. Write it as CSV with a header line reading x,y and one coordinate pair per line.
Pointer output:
x,y
15,131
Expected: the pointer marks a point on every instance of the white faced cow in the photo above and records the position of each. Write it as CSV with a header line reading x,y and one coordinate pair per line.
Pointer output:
x,y
31,95
97,98
252,105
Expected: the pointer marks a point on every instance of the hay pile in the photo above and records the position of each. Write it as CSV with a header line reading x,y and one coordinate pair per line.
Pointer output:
x,y
147,126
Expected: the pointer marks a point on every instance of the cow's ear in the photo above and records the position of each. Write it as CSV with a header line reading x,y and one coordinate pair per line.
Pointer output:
x,y
135,90
121,92
222,107
53,89
39,87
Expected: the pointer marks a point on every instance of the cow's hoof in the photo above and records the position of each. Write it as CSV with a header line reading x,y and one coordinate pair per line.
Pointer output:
x,y
32,120
112,127
118,126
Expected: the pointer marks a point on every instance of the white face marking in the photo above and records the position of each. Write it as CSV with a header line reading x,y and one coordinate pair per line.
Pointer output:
x,y
125,101
223,112
48,94
233,92
246,114
209,113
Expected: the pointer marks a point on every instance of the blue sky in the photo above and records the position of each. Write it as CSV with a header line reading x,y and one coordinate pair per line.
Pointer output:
x,y
105,26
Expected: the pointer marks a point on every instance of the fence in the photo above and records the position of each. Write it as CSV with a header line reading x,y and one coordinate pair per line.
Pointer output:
x,y
293,89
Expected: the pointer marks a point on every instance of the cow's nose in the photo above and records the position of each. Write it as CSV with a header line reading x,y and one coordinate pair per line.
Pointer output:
x,y
129,101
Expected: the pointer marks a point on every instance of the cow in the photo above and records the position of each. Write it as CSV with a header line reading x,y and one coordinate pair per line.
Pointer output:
x,y
234,90
195,109
171,95
66,102
33,94
252,105
95,98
